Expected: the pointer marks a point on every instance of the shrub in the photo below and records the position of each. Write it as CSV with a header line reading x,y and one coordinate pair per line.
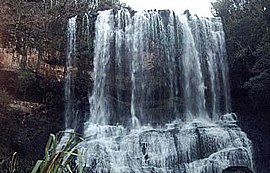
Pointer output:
x,y
61,160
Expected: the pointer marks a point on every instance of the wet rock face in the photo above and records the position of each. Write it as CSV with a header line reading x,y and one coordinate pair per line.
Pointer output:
x,y
195,147
237,169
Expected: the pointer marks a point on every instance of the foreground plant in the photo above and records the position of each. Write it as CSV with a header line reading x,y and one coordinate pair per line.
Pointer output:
x,y
61,155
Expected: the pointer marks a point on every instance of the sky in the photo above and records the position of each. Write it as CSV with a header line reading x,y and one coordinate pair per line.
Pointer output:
x,y
199,7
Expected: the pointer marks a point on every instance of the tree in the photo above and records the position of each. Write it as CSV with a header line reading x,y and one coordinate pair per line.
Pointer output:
x,y
246,26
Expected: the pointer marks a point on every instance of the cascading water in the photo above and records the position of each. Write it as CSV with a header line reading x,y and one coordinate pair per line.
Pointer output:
x,y
210,44
194,87
69,83
151,68
153,60
100,106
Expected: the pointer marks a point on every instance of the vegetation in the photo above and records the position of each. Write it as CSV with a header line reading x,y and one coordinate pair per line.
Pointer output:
x,y
59,160
246,25
24,130
34,27
33,32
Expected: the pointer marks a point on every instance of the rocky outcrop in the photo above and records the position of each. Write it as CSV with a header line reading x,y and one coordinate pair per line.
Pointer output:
x,y
194,147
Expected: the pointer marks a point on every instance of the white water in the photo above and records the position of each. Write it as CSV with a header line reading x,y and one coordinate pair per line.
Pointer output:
x,y
69,81
152,57
154,68
194,87
192,147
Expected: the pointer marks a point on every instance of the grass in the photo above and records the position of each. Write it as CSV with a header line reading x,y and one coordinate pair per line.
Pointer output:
x,y
61,159
13,163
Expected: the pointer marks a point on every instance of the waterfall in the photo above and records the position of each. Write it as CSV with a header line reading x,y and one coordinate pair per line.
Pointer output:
x,y
194,87
100,109
69,81
153,64
160,100
210,43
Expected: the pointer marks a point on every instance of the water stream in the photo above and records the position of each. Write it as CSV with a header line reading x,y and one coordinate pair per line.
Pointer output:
x,y
160,100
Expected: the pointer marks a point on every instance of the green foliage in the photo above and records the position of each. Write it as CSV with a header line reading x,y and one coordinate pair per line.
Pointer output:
x,y
246,25
60,161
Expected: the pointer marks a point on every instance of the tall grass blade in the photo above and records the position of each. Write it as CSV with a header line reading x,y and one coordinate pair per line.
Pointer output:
x,y
37,166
